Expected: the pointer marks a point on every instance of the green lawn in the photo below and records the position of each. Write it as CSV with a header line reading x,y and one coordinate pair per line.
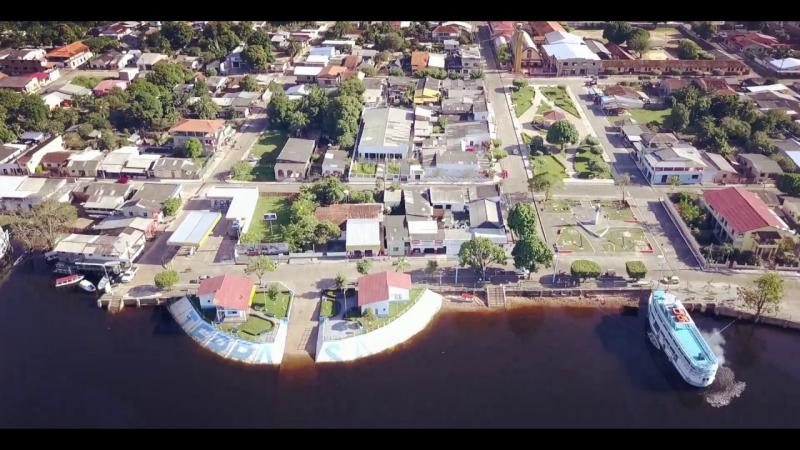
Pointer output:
x,y
395,310
645,116
329,307
625,240
250,330
267,148
526,138
260,229
522,99
558,95
87,82
543,108
547,163
278,308
572,238
556,206
616,210
367,169
582,158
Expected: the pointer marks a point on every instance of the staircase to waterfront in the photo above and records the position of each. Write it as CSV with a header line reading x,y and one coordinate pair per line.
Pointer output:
x,y
496,296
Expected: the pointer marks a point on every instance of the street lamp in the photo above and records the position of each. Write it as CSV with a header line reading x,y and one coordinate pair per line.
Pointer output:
x,y
555,264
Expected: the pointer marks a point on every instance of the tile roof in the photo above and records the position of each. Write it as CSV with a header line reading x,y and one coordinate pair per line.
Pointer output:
x,y
341,213
198,126
375,288
230,291
68,51
742,209
419,59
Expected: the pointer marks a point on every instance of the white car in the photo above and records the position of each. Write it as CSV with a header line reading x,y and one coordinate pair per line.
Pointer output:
x,y
522,272
641,283
127,277
671,280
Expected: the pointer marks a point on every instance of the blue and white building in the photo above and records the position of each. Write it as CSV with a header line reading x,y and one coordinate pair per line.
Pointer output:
x,y
659,165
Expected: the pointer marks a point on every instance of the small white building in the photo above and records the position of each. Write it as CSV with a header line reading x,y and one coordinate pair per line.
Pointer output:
x,y
377,291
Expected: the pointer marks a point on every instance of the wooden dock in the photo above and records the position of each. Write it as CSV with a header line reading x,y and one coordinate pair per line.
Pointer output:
x,y
116,303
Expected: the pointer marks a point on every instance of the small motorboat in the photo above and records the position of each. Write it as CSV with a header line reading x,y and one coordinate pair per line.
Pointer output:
x,y
103,283
68,280
87,286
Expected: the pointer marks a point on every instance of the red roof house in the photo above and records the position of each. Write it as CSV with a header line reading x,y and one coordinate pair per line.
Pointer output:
x,y
227,292
375,291
419,60
742,209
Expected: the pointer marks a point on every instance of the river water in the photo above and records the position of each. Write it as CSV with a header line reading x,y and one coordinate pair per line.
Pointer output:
x,y
66,363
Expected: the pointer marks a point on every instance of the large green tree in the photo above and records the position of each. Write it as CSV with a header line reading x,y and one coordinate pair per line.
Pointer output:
x,y
260,266
522,220
561,133
531,252
765,295
258,57
617,32
545,182
688,49
478,253
179,34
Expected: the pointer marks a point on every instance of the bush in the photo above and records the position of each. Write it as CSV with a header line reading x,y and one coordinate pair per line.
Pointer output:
x,y
591,140
788,183
273,291
584,269
656,73
537,143
611,71
675,71
718,72
366,313
499,154
166,279
519,83
636,269
171,206
596,150
363,266
396,72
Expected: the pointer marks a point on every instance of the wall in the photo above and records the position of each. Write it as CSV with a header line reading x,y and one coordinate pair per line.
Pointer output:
x,y
685,233
394,333
224,344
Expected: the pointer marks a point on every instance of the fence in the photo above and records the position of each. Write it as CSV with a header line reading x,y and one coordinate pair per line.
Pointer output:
x,y
685,233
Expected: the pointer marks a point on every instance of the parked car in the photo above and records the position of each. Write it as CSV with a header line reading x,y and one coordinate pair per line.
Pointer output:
x,y
522,272
671,280
641,283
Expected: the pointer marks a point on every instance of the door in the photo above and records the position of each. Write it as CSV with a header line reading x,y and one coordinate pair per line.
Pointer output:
x,y
663,178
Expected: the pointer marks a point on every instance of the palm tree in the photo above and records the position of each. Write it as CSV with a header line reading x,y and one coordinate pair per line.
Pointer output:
x,y
727,251
675,181
401,264
622,181
340,282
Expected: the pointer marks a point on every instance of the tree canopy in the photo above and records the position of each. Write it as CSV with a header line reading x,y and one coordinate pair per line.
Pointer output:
x,y
478,253
561,133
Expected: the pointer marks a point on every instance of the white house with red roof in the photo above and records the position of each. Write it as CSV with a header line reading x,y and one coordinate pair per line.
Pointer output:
x,y
743,219
378,290
231,295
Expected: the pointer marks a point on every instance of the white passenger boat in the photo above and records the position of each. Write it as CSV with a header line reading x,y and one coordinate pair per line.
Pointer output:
x,y
87,286
673,331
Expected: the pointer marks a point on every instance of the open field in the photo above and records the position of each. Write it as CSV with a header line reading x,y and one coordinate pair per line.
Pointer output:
x,y
558,95
260,229
645,116
522,99
268,147
548,163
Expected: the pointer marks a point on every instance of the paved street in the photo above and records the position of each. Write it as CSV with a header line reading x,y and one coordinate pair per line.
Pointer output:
x,y
495,81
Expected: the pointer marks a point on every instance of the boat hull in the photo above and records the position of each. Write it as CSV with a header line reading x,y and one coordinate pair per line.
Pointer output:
x,y
659,338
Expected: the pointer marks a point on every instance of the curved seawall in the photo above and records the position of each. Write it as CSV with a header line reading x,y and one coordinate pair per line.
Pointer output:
x,y
394,333
225,345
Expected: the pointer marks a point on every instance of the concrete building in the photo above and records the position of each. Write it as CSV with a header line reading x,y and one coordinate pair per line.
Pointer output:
x,y
744,220
363,237
211,133
660,165
230,295
378,290
148,201
101,199
386,133
292,162
334,162
758,168
567,55
396,239
70,56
